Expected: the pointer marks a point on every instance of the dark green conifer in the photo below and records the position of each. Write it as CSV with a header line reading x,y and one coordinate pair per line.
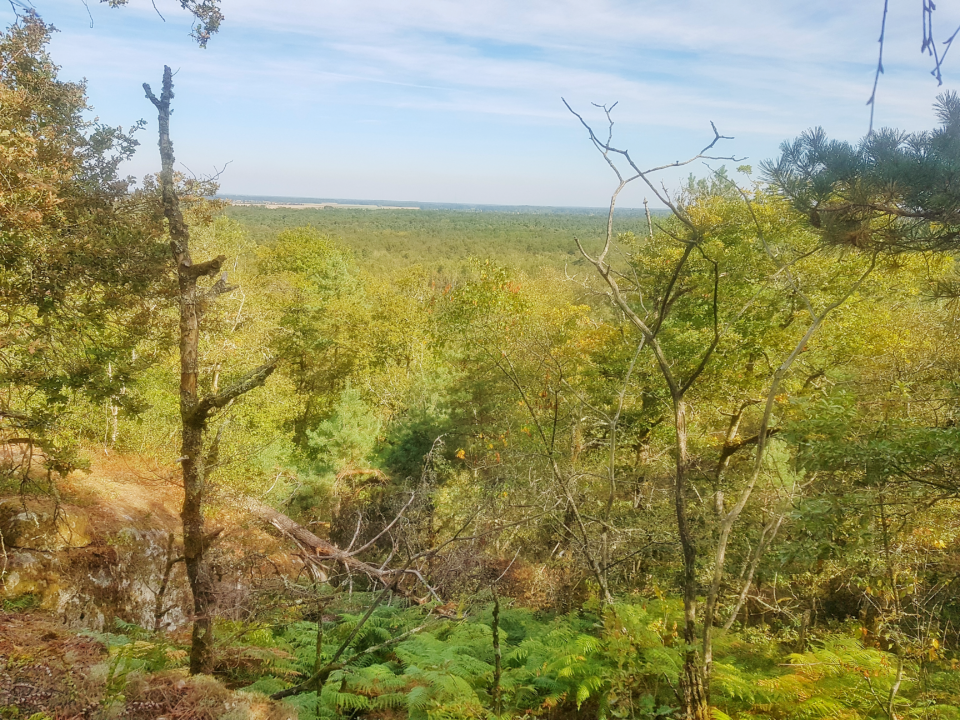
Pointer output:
x,y
893,189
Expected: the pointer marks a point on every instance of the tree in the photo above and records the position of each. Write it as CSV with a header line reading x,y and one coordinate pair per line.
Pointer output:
x,y
197,459
314,287
715,282
527,427
892,190
81,259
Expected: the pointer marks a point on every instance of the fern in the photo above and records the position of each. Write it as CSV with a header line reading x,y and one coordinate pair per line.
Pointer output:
x,y
840,679
623,664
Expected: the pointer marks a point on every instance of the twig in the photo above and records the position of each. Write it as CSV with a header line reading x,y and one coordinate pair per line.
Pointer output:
x,y
3,571
515,556
89,14
872,102
387,528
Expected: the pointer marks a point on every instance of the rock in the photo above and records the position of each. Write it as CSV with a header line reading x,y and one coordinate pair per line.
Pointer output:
x,y
47,530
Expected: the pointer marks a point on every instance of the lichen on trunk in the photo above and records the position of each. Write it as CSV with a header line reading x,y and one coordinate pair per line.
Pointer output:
x,y
194,410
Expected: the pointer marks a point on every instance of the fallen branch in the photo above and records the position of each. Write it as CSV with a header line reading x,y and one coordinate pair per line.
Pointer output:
x,y
317,550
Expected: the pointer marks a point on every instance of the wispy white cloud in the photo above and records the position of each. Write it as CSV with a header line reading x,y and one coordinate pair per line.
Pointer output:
x,y
332,98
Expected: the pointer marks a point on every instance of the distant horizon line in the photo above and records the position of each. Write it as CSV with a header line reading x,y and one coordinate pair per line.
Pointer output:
x,y
425,205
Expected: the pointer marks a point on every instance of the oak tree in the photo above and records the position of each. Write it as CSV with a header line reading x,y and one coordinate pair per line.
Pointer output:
x,y
81,259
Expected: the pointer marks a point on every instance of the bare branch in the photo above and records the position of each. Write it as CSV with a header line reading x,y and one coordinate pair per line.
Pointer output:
x,y
219,288
387,528
716,138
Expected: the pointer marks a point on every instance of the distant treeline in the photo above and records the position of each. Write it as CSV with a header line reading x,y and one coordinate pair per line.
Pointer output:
x,y
460,207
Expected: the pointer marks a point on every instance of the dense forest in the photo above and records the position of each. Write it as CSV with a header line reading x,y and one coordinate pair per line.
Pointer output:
x,y
441,464
390,240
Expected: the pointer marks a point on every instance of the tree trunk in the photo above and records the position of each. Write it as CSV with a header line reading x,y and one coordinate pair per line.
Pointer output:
x,y
322,553
194,411
191,438
766,537
695,704
497,659
692,682
201,584
303,537
804,628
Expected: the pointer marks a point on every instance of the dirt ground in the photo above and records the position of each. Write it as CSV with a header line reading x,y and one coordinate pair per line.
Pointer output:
x,y
67,676
44,669
49,664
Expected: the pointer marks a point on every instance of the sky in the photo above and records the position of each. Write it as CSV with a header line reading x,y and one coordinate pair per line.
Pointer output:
x,y
449,101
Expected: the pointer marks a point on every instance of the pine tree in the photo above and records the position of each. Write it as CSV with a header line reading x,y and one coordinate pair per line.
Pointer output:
x,y
896,190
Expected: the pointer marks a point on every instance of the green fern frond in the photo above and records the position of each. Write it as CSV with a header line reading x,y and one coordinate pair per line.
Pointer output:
x,y
583,693
517,656
389,701
418,699
825,708
348,701
664,661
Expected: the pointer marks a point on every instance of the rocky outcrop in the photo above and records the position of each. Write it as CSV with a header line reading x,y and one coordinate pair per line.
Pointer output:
x,y
43,527
109,549
55,559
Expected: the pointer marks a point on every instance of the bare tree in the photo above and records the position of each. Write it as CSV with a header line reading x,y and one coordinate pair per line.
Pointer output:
x,y
621,287
196,461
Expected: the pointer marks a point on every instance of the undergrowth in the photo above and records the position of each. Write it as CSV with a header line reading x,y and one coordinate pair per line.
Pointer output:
x,y
416,663
621,663
22,603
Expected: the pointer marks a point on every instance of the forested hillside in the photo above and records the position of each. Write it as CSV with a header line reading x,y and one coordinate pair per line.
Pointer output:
x,y
475,465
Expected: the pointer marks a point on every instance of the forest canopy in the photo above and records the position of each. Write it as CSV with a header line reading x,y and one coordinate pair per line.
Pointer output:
x,y
696,464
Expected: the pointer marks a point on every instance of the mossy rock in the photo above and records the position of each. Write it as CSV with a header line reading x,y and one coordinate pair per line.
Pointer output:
x,y
41,528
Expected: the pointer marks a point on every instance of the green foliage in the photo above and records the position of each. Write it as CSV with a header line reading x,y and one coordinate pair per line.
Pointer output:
x,y
624,664
840,678
445,669
345,441
387,241
447,353
132,651
134,648
81,259
893,188
23,603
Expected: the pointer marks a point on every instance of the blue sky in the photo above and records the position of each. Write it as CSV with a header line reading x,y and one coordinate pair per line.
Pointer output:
x,y
447,101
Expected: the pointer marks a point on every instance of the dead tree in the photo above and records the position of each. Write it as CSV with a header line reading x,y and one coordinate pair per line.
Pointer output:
x,y
321,555
195,411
